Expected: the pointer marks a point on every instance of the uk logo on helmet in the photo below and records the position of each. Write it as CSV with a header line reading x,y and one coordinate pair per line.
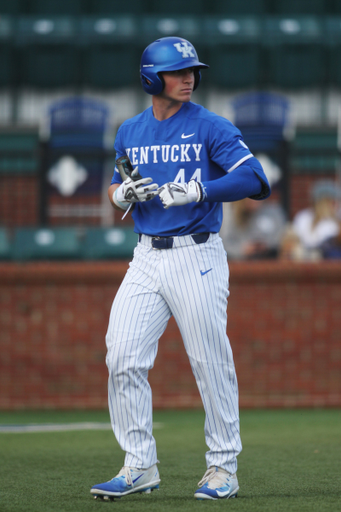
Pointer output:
x,y
185,49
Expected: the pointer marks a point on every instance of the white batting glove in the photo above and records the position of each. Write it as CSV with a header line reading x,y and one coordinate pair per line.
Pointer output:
x,y
177,194
134,191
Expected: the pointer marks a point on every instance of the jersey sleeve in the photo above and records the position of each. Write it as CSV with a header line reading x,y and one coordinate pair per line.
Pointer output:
x,y
227,148
249,181
119,150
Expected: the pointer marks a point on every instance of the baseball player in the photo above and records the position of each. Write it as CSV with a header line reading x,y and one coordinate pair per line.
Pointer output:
x,y
189,161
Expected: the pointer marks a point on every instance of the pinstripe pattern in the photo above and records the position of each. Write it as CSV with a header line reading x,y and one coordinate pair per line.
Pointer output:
x,y
158,284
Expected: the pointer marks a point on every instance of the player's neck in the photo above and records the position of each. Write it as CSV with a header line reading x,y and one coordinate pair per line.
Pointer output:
x,y
165,108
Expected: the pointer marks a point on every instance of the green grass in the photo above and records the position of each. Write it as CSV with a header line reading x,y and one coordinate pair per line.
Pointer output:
x,y
290,462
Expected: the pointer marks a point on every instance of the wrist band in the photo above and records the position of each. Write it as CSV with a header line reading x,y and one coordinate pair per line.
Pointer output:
x,y
123,205
201,195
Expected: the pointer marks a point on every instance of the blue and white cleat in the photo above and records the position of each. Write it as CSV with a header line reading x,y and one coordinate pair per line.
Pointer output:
x,y
128,481
217,484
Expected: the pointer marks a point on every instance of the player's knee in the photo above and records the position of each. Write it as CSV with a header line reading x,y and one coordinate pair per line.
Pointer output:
x,y
120,362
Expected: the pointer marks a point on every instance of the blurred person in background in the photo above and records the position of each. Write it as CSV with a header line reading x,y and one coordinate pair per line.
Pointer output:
x,y
331,248
315,231
252,231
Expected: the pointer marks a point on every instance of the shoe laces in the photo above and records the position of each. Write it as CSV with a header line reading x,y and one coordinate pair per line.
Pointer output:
x,y
219,474
126,472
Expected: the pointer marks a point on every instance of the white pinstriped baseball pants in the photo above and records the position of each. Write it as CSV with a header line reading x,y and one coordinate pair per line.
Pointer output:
x,y
158,284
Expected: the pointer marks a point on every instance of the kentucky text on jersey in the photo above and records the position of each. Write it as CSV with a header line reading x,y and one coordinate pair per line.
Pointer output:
x,y
164,153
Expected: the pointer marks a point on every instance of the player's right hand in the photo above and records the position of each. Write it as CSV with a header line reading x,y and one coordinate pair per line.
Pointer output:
x,y
178,194
131,191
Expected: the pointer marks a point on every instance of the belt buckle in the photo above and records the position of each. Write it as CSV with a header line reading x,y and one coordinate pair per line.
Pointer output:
x,y
155,238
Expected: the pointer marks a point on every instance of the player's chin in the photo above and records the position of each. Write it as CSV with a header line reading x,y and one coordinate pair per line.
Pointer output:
x,y
186,95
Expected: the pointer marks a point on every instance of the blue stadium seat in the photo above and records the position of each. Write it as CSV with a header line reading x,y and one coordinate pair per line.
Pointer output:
x,y
109,243
78,122
262,118
60,243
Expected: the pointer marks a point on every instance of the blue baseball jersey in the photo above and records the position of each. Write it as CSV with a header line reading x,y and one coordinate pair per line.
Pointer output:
x,y
192,144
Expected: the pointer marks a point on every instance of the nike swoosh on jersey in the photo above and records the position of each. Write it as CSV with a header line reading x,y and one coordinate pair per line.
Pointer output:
x,y
183,136
203,272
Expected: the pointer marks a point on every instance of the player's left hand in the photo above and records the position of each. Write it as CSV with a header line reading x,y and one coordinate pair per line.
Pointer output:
x,y
131,191
178,194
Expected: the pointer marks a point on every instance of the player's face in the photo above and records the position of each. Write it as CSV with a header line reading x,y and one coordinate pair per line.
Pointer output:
x,y
178,85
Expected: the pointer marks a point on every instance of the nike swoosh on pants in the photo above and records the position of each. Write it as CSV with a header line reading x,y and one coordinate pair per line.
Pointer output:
x,y
203,272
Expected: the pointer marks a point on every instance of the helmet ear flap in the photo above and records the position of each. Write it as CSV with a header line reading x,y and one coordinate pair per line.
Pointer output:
x,y
197,78
162,80
145,80
152,85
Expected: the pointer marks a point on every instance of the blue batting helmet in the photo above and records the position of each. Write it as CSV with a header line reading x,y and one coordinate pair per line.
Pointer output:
x,y
167,54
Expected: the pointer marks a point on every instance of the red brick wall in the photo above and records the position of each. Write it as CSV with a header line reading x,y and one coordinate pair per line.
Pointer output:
x,y
284,326
19,201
